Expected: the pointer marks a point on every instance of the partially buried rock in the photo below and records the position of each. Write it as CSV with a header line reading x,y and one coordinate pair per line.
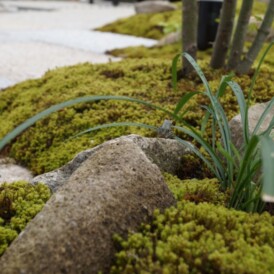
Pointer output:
x,y
254,114
167,154
171,38
113,191
154,7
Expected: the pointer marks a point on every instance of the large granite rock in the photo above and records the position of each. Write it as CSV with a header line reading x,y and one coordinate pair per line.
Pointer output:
x,y
113,191
254,115
154,7
165,153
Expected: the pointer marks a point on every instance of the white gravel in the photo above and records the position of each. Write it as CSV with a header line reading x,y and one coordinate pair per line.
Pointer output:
x,y
37,36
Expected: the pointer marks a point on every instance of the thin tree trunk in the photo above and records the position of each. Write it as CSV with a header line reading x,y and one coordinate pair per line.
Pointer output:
x,y
260,38
240,34
189,31
224,32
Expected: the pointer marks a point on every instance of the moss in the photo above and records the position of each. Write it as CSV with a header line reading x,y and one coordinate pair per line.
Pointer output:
x,y
46,145
152,25
132,26
202,238
153,28
167,52
197,191
19,203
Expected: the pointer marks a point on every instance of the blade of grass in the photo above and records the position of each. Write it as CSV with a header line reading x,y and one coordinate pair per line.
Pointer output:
x,y
218,110
243,108
223,84
268,169
269,129
121,124
264,114
174,79
184,100
219,172
19,129
198,153
244,175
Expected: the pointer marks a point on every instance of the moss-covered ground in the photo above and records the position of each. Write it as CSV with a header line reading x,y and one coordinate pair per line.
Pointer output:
x,y
19,203
200,235
154,26
47,145
157,25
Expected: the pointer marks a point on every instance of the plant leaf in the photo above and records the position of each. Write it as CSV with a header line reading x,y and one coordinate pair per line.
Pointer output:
x,y
19,129
174,79
268,169
243,108
264,114
223,84
184,100
219,172
121,124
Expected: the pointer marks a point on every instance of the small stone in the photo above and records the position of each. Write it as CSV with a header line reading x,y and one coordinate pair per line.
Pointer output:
x,y
254,115
154,7
11,172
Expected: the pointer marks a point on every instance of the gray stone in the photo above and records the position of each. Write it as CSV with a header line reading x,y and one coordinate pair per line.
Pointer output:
x,y
254,115
171,38
113,191
154,6
165,153
11,172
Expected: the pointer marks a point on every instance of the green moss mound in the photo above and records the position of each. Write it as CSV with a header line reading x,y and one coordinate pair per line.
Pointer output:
x,y
47,145
19,203
166,52
196,191
157,25
200,238
169,51
145,25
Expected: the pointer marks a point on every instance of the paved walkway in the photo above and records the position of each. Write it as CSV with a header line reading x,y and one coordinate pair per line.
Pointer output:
x,y
36,36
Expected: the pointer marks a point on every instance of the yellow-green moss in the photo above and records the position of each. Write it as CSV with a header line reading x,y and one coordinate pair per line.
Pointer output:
x,y
144,25
19,203
46,145
197,191
167,52
202,238
151,25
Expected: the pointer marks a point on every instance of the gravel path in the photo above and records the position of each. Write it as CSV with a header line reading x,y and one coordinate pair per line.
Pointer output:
x,y
36,36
